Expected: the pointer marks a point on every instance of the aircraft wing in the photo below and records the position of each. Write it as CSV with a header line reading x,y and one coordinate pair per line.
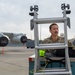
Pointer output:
x,y
5,38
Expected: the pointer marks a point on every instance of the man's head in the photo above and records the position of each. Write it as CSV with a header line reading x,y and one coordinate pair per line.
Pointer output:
x,y
53,28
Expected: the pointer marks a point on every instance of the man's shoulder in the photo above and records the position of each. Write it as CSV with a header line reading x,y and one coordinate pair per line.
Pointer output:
x,y
47,40
60,38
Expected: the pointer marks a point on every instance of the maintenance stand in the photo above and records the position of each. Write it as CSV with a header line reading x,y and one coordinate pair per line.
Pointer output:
x,y
38,69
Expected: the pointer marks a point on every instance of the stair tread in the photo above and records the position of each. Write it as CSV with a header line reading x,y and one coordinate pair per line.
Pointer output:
x,y
51,73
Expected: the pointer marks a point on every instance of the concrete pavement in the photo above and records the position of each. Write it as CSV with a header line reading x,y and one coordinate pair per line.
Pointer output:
x,y
14,60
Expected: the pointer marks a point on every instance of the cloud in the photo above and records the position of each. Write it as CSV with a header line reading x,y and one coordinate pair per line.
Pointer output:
x,y
14,14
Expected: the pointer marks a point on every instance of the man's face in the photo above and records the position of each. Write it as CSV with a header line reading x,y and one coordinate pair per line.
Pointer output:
x,y
54,30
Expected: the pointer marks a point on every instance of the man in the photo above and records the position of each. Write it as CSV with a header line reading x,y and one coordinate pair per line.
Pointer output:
x,y
54,38
53,29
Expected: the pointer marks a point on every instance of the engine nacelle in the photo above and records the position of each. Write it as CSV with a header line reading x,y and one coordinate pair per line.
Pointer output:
x,y
23,39
19,39
4,41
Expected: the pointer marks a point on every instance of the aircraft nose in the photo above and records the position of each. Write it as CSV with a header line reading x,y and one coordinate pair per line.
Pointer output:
x,y
23,39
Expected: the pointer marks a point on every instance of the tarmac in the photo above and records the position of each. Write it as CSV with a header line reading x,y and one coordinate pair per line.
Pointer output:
x,y
14,60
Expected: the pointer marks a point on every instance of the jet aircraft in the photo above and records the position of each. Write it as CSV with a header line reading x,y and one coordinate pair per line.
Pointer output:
x,y
5,38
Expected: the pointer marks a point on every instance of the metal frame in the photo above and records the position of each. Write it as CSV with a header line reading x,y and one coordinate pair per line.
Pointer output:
x,y
38,46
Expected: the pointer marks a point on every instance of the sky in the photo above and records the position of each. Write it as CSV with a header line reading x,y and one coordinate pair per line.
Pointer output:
x,y
15,18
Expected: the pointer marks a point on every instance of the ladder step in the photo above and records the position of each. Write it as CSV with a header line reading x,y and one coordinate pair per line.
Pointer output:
x,y
53,73
51,44
49,20
51,47
53,70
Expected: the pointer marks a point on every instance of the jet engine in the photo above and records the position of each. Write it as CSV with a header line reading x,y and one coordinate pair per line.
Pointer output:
x,y
3,41
23,39
19,39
